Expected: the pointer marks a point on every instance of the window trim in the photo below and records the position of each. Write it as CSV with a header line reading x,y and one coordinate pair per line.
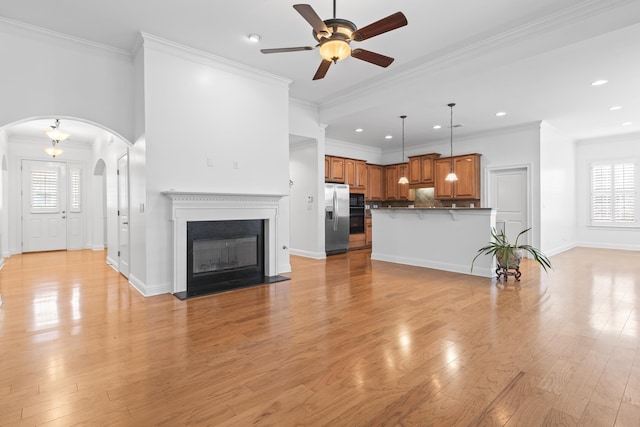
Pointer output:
x,y
614,225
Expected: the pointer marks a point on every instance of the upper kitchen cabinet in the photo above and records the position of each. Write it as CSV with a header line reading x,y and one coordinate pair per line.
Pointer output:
x,y
355,175
336,169
375,183
327,168
421,170
395,191
467,187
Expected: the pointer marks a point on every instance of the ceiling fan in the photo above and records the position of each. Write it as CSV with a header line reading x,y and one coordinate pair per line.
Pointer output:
x,y
334,36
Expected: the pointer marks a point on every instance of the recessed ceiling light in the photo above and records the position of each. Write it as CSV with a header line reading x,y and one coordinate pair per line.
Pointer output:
x,y
388,137
437,127
501,113
254,38
627,124
615,108
599,82
359,130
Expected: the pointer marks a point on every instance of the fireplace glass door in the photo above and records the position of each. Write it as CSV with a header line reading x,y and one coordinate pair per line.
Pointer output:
x,y
223,255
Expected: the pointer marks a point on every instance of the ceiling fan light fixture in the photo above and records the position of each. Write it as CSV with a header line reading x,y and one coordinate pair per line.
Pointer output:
x,y
335,50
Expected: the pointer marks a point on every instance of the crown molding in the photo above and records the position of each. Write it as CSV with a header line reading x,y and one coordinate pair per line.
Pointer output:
x,y
11,24
198,56
440,60
624,137
304,104
352,146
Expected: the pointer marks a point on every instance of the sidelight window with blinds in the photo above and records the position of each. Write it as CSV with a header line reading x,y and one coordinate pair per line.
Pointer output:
x,y
613,194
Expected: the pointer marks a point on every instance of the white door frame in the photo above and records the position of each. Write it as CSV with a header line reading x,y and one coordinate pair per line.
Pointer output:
x,y
488,192
124,253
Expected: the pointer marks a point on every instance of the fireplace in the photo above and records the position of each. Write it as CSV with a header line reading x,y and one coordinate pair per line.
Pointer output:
x,y
224,255
192,207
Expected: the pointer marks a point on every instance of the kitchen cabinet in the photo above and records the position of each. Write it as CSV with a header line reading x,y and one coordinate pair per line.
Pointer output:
x,y
355,175
467,187
367,232
421,170
327,169
375,183
336,169
357,241
395,191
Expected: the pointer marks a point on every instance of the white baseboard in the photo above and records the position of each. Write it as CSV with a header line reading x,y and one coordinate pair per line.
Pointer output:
x,y
559,250
454,268
146,290
113,263
308,254
622,247
97,248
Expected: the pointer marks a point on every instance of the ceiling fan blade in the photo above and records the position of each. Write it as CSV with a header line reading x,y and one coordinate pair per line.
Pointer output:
x,y
389,23
312,18
322,69
287,49
372,57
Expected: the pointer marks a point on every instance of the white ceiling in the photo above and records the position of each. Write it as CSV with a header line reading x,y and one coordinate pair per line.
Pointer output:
x,y
534,59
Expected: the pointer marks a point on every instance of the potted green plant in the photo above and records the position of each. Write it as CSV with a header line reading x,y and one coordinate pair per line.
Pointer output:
x,y
508,256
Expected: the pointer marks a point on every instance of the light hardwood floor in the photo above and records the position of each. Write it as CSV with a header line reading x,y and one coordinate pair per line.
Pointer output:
x,y
346,342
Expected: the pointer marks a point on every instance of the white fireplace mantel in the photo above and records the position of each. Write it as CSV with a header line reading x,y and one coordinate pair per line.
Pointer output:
x,y
198,206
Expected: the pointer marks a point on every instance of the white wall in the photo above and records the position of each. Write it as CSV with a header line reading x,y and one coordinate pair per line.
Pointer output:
x,y
4,197
305,200
304,127
53,76
557,191
626,147
211,126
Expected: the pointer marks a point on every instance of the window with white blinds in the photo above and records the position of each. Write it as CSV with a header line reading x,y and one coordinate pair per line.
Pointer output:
x,y
44,190
75,202
613,194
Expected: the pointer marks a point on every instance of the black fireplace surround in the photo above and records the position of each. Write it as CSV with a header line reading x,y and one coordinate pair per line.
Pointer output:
x,y
224,255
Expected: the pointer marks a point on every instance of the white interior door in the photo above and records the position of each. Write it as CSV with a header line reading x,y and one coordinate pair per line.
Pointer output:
x,y
44,206
123,215
508,194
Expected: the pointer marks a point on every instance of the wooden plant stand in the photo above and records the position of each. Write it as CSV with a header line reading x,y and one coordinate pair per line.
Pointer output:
x,y
504,272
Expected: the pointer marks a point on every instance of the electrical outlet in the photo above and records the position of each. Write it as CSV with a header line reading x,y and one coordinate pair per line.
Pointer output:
x,y
209,162
235,164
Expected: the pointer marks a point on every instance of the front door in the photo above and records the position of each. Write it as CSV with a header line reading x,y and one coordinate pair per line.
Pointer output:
x,y
44,206
123,215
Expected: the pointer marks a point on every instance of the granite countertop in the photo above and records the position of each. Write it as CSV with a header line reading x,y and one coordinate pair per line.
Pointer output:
x,y
429,209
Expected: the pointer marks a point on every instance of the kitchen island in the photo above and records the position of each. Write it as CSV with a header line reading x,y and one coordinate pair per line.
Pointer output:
x,y
440,238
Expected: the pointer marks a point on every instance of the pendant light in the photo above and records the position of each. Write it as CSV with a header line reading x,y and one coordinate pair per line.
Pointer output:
x,y
452,175
403,179
56,134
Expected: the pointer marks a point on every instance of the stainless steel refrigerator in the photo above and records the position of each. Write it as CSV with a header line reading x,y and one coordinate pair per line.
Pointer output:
x,y
336,218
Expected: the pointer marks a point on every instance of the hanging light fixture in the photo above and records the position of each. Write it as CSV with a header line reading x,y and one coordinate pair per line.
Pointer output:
x,y
403,179
54,150
452,175
56,134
